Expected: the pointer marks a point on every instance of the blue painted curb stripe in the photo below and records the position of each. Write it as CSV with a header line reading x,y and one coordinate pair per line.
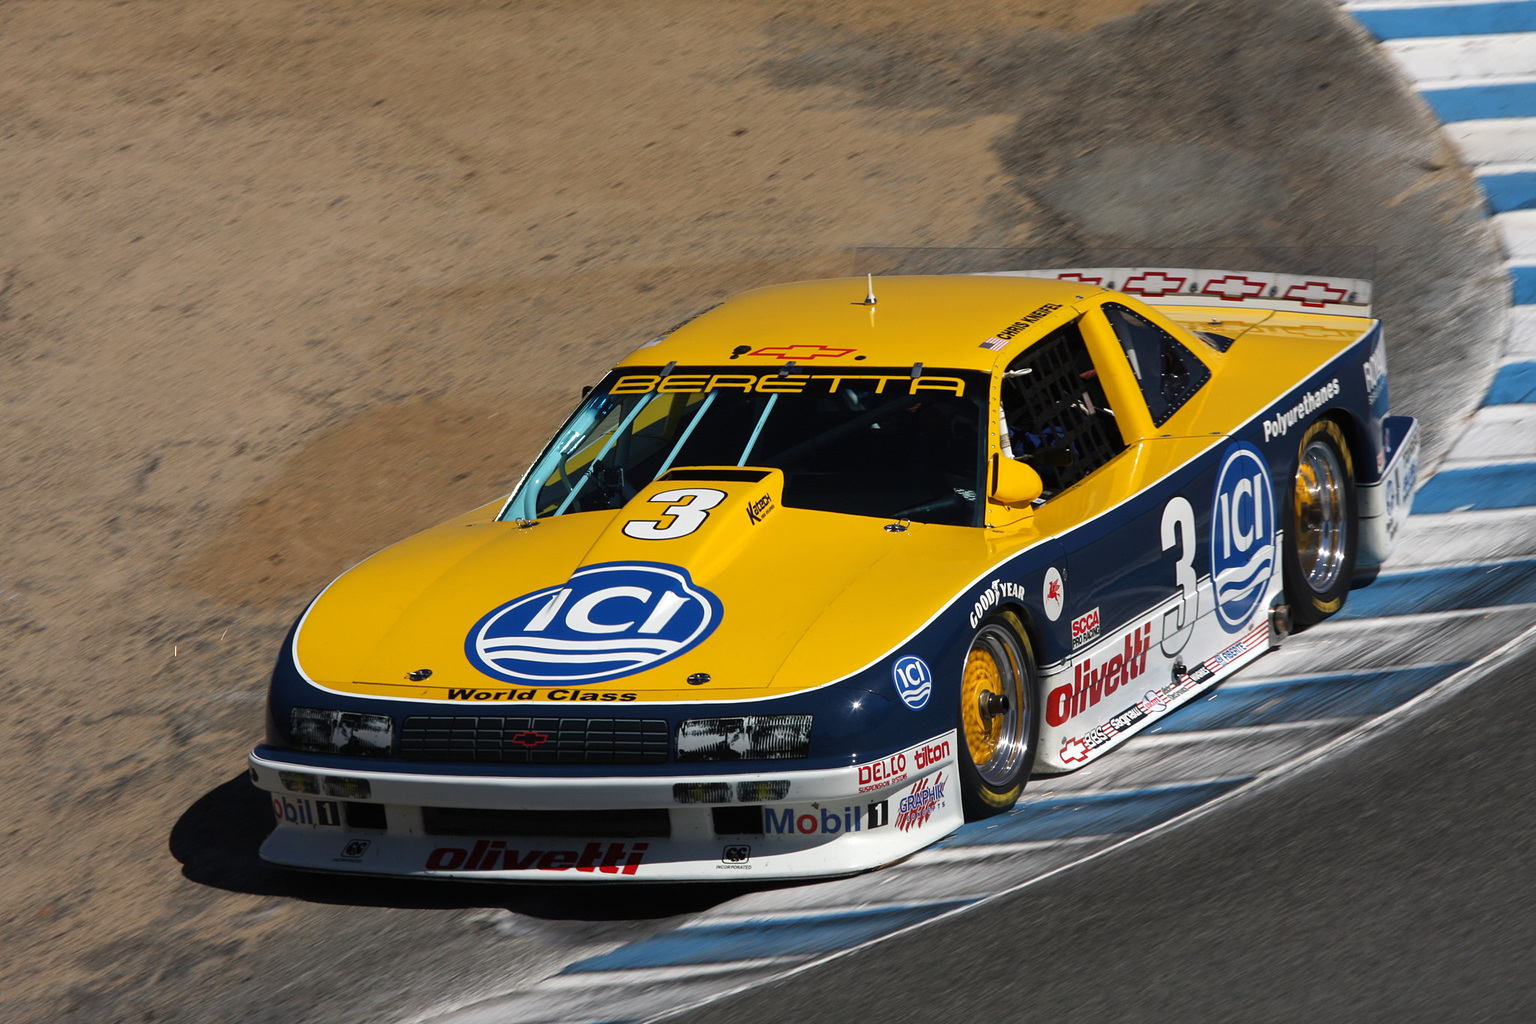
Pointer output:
x,y
1480,102
1089,815
1478,487
1524,281
1508,192
1512,385
756,939
1445,590
1347,695
1461,20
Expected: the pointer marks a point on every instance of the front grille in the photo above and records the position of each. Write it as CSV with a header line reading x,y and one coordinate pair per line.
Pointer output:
x,y
489,739
625,824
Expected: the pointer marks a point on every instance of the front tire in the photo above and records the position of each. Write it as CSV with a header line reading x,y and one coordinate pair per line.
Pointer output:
x,y
1323,527
999,717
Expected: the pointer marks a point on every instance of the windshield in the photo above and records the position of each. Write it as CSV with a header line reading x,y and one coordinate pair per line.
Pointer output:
x,y
875,442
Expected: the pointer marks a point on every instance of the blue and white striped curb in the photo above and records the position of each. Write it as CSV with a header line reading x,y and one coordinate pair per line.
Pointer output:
x,y
1461,584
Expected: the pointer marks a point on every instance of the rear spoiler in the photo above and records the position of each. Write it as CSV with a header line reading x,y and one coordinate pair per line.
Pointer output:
x,y
1182,286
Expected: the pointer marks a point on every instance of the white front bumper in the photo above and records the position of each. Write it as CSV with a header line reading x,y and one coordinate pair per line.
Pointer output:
x,y
828,823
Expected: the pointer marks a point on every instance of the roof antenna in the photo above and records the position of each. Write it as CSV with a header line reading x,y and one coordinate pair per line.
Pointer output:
x,y
869,300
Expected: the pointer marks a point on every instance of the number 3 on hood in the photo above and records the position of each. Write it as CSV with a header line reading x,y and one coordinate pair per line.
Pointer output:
x,y
688,508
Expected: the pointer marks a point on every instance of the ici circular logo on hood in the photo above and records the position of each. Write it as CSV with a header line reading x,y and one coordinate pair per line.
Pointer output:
x,y
607,621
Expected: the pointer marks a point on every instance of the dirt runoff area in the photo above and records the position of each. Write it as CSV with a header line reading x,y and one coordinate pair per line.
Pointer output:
x,y
281,282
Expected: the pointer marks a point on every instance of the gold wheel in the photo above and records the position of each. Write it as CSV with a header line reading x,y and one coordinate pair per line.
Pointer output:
x,y
1320,537
995,709
982,684
1320,515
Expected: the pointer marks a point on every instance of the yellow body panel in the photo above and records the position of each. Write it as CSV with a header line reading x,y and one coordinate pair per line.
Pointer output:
x,y
798,589
809,596
820,325
1124,475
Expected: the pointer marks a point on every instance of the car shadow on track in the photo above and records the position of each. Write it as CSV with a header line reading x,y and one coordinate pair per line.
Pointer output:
x,y
217,838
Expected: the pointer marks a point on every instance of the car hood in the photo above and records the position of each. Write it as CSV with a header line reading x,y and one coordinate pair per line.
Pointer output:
x,y
632,605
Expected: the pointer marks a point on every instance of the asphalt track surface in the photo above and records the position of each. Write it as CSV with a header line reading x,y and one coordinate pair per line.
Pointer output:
x,y
1390,883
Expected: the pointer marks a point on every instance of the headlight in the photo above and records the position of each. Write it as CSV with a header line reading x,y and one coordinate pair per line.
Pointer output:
x,y
750,738
341,732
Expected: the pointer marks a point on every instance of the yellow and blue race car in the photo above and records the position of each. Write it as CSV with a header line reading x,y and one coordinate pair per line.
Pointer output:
x,y
832,567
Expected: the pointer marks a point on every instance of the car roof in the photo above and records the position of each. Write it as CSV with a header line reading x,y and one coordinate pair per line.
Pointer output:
x,y
940,321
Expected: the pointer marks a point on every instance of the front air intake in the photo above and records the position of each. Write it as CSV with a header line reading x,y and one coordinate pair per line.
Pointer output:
x,y
492,739
622,824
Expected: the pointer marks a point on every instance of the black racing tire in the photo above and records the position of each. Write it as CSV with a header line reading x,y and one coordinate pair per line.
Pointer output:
x,y
1322,526
998,717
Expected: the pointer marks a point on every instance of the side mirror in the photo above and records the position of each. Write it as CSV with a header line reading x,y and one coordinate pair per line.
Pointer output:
x,y
1014,483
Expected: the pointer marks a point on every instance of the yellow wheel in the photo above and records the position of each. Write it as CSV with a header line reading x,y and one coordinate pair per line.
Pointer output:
x,y
998,697
980,692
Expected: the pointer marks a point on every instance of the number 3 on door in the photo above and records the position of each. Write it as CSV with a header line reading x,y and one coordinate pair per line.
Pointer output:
x,y
1179,529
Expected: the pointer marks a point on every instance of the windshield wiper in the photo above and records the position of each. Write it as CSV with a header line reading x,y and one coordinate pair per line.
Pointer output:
x,y
622,428
757,430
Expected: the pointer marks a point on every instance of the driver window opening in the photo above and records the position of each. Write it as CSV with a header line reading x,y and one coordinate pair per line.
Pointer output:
x,y
1167,372
1054,415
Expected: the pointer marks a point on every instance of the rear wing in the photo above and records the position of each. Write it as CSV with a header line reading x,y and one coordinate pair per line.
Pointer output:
x,y
1182,286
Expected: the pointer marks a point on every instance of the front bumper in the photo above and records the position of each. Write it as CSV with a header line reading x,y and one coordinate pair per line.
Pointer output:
x,y
827,822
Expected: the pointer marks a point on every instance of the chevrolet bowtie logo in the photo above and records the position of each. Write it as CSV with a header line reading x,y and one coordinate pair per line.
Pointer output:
x,y
1153,283
802,352
1314,293
1233,288
530,739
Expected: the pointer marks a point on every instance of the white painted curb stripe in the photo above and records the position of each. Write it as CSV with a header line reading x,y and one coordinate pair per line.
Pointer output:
x,y
1461,60
1500,140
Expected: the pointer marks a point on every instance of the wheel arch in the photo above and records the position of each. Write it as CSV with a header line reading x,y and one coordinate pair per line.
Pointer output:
x,y
1024,622
1354,440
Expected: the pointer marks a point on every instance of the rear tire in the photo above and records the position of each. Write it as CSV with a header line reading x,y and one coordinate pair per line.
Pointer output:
x,y
1322,527
999,717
